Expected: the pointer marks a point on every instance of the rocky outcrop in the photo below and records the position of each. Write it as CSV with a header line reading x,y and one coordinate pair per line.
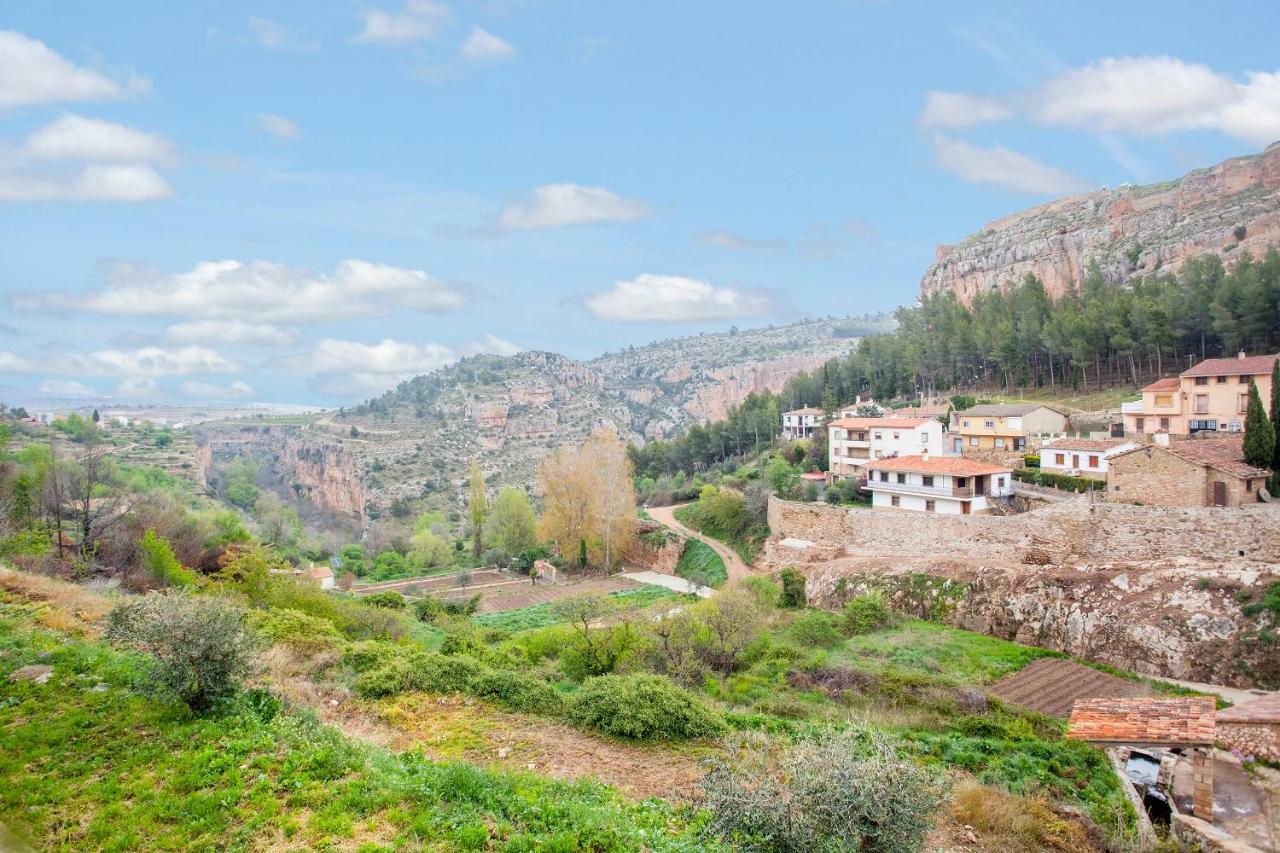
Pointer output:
x,y
1230,209
729,386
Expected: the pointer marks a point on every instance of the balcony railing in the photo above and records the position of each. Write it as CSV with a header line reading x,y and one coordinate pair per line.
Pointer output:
x,y
917,489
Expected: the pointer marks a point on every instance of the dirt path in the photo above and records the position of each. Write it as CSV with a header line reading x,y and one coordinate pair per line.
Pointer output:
x,y
732,562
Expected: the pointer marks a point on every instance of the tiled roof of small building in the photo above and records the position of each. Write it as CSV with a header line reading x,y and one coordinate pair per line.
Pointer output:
x,y
1087,444
1181,720
1006,410
953,465
808,411
886,423
1222,454
1248,366
1169,383
320,572
1264,709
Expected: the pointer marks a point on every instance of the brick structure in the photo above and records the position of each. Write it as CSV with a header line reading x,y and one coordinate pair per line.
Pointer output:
x,y
1190,472
1252,728
1182,722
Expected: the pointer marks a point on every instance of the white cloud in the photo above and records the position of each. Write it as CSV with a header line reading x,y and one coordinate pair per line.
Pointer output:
x,y
351,367
31,73
13,363
279,126
150,362
231,332
1003,168
258,292
92,183
483,46
136,386
66,388
569,204
74,137
417,20
674,299
273,36
958,109
738,242
212,391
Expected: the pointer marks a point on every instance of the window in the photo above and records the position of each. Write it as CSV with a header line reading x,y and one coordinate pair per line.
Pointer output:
x,y
879,436
1243,405
1060,459
884,476
1000,442
1140,424
902,478
1244,380
1093,462
989,424
966,424
1202,404
896,436
1019,444
928,506
1164,401
1202,426
1202,380
1164,424
961,482
1000,483
928,479
1234,426
1222,380
1248,485
973,441
894,501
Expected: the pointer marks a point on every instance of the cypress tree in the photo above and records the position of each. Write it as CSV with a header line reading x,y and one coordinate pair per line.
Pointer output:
x,y
1259,436
1275,417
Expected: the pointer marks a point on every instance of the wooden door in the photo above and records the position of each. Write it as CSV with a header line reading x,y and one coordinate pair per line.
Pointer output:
x,y
964,507
1219,493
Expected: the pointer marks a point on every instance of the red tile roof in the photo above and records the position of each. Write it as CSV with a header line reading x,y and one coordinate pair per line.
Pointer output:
x,y
1088,444
1222,454
1169,383
1184,720
886,423
919,411
320,572
1252,365
1264,709
952,465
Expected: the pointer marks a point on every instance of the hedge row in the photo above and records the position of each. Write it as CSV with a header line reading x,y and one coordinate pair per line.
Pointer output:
x,y
1061,481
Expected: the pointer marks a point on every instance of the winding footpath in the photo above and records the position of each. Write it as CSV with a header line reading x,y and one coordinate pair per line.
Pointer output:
x,y
733,564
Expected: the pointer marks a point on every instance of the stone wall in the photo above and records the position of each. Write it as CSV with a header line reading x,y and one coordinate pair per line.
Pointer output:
x,y
1261,740
1154,477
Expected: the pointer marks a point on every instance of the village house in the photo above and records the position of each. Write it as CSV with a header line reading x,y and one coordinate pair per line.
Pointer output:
x,y
943,484
1210,397
321,576
1186,472
853,442
859,402
1081,457
800,423
1003,426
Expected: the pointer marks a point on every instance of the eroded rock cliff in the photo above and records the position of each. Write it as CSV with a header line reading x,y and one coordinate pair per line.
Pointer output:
x,y
1231,209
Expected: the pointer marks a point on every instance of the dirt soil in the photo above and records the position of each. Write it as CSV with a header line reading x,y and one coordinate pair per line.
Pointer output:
x,y
526,594
733,564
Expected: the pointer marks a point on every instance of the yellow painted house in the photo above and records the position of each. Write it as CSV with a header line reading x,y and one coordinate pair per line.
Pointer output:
x,y
1003,426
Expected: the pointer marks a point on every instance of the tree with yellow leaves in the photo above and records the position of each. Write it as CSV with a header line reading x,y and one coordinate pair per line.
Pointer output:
x,y
589,498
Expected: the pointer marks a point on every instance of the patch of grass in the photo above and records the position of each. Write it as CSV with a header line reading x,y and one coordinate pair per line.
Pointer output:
x,y
1010,822
89,770
542,615
700,561
937,650
746,546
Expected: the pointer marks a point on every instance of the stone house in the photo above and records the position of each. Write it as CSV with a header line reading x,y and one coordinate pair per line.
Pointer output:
x,y
1210,397
1252,728
1004,426
853,442
1187,472
1081,457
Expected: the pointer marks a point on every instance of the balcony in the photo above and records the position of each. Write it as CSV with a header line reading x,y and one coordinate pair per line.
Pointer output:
x,y
916,489
859,445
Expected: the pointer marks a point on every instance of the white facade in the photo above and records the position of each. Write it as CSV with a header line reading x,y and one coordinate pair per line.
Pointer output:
x,y
937,490
853,442
800,423
1081,458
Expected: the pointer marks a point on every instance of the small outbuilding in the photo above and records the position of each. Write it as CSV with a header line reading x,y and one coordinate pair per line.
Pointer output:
x,y
1185,472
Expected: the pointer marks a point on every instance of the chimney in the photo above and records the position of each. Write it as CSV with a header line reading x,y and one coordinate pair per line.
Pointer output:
x,y
1240,355
925,455
1162,438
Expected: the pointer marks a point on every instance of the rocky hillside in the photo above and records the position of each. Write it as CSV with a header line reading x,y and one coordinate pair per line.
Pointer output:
x,y
1230,208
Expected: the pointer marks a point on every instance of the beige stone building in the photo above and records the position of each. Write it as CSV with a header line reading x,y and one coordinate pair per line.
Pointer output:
x,y
1210,397
1186,472
1003,426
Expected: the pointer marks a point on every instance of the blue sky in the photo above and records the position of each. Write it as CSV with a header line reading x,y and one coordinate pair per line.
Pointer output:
x,y
282,202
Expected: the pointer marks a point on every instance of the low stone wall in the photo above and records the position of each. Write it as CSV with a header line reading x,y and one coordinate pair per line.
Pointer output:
x,y
1261,740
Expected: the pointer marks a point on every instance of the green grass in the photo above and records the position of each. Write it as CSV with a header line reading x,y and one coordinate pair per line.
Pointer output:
x,y
111,770
542,615
922,647
699,560
745,547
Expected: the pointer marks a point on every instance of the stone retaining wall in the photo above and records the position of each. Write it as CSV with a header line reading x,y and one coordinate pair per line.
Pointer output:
x,y
1261,740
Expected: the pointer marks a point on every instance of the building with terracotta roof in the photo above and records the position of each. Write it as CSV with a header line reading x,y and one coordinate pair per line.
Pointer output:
x,y
1210,397
1004,427
853,442
321,576
1253,728
1185,472
944,484
1081,457
800,423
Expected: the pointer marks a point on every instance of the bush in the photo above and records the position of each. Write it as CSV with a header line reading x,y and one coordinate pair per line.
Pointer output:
x,y
815,629
386,680
834,792
389,599
444,674
158,559
793,594
1060,481
201,647
428,608
518,692
295,629
867,613
367,655
642,707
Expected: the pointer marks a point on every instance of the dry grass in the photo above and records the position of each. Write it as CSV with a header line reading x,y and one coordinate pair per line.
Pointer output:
x,y
67,608
1006,822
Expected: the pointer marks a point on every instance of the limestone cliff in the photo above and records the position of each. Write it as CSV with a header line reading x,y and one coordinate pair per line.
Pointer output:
x,y
1230,209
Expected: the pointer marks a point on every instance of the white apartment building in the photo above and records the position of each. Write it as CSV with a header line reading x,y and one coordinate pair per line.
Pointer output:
x,y
951,485
853,442
1081,457
800,423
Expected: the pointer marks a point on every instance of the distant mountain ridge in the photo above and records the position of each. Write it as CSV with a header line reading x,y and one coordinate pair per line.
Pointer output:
x,y
1229,209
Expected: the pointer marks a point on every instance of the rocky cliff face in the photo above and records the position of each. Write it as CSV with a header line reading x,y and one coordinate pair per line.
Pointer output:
x,y
1231,209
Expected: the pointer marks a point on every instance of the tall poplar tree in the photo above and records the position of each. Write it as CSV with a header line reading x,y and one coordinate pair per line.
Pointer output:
x,y
477,507
1259,435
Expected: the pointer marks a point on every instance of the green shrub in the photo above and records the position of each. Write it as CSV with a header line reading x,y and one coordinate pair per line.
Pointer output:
x,y
815,629
518,692
367,655
200,646
438,673
158,559
295,629
765,590
1053,480
389,599
427,609
793,594
387,679
642,707
867,613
